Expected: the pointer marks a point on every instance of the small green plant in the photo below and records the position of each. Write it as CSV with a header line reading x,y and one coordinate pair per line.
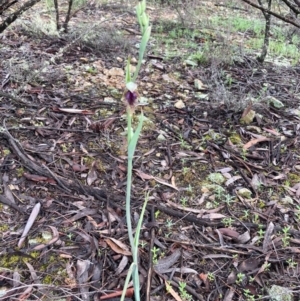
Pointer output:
x,y
189,188
210,276
286,237
183,293
291,263
155,254
157,213
199,57
169,223
70,236
255,219
248,295
266,266
246,214
143,244
183,201
261,233
185,170
183,143
219,192
228,199
227,221
244,154
239,278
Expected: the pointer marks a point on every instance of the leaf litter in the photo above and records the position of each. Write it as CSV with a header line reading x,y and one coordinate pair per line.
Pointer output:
x,y
65,154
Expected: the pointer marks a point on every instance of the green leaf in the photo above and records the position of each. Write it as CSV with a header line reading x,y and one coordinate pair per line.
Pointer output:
x,y
133,141
143,46
139,225
132,266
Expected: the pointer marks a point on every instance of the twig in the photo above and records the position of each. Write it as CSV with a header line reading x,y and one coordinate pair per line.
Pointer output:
x,y
7,202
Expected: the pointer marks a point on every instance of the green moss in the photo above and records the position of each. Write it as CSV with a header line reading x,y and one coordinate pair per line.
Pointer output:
x,y
88,161
216,178
48,279
261,204
100,166
11,261
293,178
235,138
58,275
20,171
6,152
3,227
188,176
34,254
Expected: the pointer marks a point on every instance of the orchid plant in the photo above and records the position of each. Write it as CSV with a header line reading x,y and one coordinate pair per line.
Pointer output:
x,y
130,98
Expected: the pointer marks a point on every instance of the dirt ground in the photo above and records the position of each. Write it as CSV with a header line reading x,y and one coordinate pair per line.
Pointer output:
x,y
219,156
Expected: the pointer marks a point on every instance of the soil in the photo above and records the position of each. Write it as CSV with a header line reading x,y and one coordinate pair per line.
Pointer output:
x,y
223,211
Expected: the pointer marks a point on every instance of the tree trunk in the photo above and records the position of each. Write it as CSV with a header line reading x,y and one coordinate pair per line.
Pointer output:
x,y
265,47
15,15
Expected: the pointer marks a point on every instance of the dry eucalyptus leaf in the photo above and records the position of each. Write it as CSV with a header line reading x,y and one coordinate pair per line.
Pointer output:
x,y
117,246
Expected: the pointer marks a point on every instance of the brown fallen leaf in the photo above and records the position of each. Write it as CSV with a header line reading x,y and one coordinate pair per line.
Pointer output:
x,y
38,178
145,176
204,278
78,167
229,232
255,141
35,178
128,294
272,131
249,264
117,246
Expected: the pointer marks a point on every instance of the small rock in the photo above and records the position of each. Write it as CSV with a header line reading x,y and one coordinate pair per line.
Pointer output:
x,y
133,60
179,104
245,193
161,137
275,102
199,85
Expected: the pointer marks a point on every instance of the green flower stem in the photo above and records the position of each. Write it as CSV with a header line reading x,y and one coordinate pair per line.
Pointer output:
x,y
129,179
134,240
